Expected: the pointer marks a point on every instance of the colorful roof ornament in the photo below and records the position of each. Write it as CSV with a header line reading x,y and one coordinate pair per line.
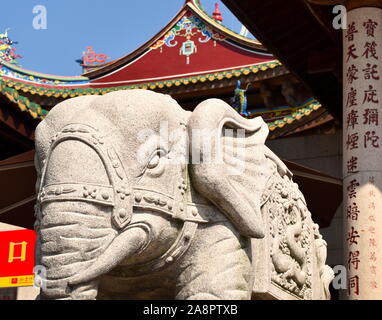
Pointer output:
x,y
239,100
7,52
90,59
217,14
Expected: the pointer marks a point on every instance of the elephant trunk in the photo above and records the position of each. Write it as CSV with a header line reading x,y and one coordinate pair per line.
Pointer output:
x,y
126,245
77,244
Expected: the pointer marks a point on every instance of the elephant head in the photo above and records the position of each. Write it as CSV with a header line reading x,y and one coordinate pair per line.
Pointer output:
x,y
114,181
232,171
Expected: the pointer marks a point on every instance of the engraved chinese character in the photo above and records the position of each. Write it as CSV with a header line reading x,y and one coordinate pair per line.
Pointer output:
x,y
352,212
352,165
352,188
352,119
372,242
371,229
351,98
370,95
351,30
372,206
351,52
372,180
373,257
352,236
370,50
374,284
371,72
370,26
354,284
373,269
370,116
372,218
352,141
351,75
370,136
353,259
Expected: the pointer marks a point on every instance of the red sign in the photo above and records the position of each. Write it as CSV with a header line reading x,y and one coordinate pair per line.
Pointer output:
x,y
17,258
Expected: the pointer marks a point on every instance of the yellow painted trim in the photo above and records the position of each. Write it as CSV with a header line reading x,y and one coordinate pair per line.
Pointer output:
x,y
22,281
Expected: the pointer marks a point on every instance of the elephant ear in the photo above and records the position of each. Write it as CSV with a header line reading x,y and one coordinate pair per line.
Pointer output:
x,y
229,164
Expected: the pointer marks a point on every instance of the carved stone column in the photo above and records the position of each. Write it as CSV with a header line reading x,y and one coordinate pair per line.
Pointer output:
x,y
362,148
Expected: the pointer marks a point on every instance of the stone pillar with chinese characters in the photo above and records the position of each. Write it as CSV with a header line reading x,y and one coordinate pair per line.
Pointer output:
x,y
362,156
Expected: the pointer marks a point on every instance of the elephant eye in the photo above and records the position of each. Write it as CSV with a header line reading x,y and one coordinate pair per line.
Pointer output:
x,y
155,158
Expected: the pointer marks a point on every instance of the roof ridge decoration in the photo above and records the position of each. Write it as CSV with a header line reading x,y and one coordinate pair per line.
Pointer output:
x,y
184,28
171,30
211,29
74,92
217,14
12,71
7,52
37,112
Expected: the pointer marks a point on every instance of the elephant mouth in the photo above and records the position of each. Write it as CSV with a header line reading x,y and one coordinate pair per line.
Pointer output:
x,y
78,244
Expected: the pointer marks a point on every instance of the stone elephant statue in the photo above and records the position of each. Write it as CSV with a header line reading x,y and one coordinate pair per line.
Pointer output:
x,y
140,199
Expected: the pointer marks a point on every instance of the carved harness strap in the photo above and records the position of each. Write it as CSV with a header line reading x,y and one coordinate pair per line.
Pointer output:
x,y
121,196
117,194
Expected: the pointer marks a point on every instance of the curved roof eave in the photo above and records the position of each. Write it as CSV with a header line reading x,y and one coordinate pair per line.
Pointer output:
x,y
42,75
196,9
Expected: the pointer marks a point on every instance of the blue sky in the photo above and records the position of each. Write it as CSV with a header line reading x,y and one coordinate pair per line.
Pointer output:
x,y
113,27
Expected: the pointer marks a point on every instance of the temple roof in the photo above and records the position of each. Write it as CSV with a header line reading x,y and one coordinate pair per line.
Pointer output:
x,y
181,53
192,48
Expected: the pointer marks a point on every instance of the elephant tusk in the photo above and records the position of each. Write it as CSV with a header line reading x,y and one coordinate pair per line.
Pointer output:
x,y
128,243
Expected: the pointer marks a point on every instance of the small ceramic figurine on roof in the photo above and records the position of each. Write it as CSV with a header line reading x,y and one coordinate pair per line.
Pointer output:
x,y
217,14
239,100
7,52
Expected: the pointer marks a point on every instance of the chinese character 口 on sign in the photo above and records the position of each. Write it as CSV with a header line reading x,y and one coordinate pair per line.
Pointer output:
x,y
23,249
